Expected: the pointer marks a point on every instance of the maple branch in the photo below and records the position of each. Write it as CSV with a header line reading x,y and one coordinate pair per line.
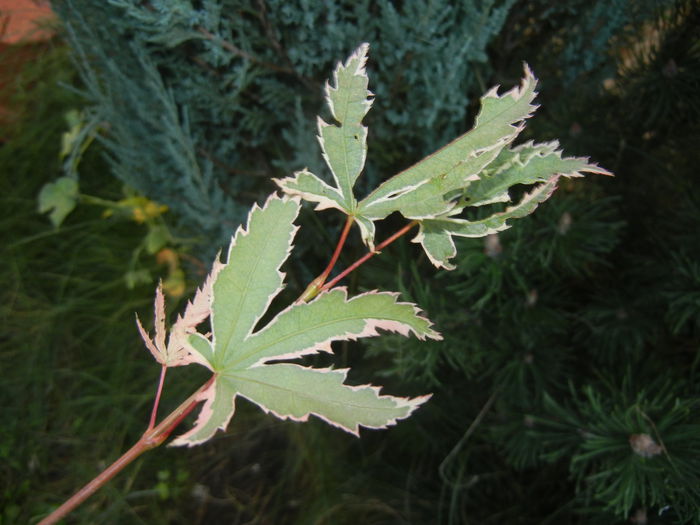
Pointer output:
x,y
152,438
368,255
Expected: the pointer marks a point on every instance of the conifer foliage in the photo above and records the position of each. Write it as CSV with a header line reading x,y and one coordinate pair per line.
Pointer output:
x,y
207,101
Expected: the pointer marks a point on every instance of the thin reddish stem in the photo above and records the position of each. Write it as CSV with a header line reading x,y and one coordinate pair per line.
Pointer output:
x,y
152,438
156,402
330,284
339,247
315,286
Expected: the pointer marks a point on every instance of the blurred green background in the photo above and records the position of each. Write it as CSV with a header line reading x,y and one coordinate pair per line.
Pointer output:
x,y
566,338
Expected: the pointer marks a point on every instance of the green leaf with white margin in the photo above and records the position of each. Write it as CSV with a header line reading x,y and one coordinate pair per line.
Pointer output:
x,y
528,163
58,199
178,350
435,235
239,353
292,391
344,145
425,189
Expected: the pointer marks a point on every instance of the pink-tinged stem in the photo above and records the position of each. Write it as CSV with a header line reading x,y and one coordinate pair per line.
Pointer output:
x,y
330,284
339,246
154,412
315,285
152,438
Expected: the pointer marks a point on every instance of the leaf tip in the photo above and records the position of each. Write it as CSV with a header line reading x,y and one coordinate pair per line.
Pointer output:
x,y
595,168
360,55
147,341
529,76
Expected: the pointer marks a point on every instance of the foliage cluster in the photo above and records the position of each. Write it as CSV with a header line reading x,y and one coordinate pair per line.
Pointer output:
x,y
566,387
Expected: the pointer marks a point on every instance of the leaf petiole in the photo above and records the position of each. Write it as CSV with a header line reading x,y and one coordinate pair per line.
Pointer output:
x,y
156,402
368,255
339,247
316,285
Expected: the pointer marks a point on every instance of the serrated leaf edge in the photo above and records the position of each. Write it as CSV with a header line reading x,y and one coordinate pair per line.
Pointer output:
x,y
360,54
552,148
370,328
528,83
322,202
244,232
411,402
542,191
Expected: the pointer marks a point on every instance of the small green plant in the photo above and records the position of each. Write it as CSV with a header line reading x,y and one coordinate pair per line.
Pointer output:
x,y
221,327
57,199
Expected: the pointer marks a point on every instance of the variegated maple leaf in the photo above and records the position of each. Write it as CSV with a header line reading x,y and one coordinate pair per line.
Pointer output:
x,y
344,145
475,169
176,352
427,189
244,357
